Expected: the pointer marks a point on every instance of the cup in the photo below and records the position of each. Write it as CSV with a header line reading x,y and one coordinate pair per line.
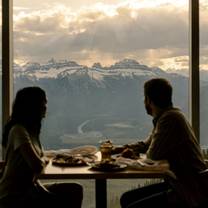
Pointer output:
x,y
105,149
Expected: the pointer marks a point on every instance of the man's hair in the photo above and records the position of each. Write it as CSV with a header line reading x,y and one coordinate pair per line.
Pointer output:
x,y
159,91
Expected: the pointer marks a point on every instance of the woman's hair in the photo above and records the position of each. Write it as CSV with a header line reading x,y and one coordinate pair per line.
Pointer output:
x,y
26,110
159,91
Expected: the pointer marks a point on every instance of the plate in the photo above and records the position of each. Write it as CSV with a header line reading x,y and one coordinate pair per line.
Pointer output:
x,y
84,150
68,161
108,166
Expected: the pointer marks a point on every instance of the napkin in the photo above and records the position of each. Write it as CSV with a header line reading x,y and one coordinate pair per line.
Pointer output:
x,y
144,164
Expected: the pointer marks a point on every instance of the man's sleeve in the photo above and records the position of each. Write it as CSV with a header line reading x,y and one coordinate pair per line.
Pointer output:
x,y
141,146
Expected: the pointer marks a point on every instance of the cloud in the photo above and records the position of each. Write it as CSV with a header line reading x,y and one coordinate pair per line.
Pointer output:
x,y
113,33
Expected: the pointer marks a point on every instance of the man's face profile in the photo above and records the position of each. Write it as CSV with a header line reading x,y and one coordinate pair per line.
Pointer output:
x,y
147,105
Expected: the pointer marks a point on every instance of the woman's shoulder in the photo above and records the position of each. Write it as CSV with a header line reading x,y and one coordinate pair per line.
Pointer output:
x,y
18,135
18,129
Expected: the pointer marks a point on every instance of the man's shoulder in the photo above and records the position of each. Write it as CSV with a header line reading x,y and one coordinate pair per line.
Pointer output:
x,y
175,118
174,113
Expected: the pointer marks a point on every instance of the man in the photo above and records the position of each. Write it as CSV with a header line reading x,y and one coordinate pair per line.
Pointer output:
x,y
171,139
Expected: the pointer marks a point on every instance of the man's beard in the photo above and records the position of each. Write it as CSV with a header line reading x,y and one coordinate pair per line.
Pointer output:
x,y
148,109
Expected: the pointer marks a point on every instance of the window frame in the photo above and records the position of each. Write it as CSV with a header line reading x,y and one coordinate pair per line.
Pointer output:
x,y
7,59
7,63
194,78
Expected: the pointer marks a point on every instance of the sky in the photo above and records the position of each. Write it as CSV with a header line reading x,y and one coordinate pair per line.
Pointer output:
x,y
153,32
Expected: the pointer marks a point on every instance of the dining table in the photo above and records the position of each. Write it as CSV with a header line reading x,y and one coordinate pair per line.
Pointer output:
x,y
101,176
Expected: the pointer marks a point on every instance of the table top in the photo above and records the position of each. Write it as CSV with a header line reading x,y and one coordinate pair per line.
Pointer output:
x,y
85,172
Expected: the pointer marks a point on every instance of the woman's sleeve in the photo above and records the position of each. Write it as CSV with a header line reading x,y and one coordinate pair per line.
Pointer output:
x,y
19,136
21,140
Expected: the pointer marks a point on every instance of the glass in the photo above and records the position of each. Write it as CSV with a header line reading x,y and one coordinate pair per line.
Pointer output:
x,y
92,58
94,63
203,76
106,149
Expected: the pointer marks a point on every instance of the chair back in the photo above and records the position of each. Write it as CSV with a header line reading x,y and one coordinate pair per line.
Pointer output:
x,y
2,164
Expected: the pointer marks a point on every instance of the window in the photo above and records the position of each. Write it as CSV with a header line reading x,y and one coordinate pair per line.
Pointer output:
x,y
6,60
92,59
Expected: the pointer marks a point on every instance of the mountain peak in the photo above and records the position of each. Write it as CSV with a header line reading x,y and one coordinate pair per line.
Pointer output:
x,y
127,63
97,65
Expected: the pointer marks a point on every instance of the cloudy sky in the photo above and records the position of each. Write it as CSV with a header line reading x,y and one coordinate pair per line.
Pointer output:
x,y
153,32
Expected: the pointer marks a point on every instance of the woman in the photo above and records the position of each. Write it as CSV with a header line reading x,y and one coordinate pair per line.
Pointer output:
x,y
25,160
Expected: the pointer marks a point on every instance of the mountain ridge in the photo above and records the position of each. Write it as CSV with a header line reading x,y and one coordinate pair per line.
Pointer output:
x,y
55,69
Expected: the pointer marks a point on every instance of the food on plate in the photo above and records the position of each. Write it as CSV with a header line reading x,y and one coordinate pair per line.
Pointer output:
x,y
68,160
108,165
117,149
129,153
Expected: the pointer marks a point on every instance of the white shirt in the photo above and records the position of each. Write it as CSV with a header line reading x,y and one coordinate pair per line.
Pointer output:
x,y
18,176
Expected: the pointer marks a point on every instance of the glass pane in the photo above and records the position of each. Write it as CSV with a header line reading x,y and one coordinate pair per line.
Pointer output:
x,y
203,74
92,58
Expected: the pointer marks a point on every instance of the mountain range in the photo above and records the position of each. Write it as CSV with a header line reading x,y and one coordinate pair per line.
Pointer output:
x,y
88,104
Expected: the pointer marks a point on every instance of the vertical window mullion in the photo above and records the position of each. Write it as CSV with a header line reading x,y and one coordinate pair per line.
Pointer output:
x,y
194,107
7,59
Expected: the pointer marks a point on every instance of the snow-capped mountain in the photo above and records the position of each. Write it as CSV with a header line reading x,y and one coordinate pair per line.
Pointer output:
x,y
108,100
102,101
55,69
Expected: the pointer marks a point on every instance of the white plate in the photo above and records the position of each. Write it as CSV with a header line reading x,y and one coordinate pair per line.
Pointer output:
x,y
100,167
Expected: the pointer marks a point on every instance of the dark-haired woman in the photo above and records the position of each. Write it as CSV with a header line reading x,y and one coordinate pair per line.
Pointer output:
x,y
23,155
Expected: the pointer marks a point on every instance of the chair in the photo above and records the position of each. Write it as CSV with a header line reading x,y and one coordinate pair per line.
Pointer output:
x,y
2,163
203,175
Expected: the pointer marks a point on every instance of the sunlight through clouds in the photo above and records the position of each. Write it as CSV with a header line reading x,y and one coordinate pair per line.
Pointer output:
x,y
153,32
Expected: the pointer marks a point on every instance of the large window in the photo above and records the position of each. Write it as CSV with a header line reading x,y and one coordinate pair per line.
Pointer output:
x,y
92,58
